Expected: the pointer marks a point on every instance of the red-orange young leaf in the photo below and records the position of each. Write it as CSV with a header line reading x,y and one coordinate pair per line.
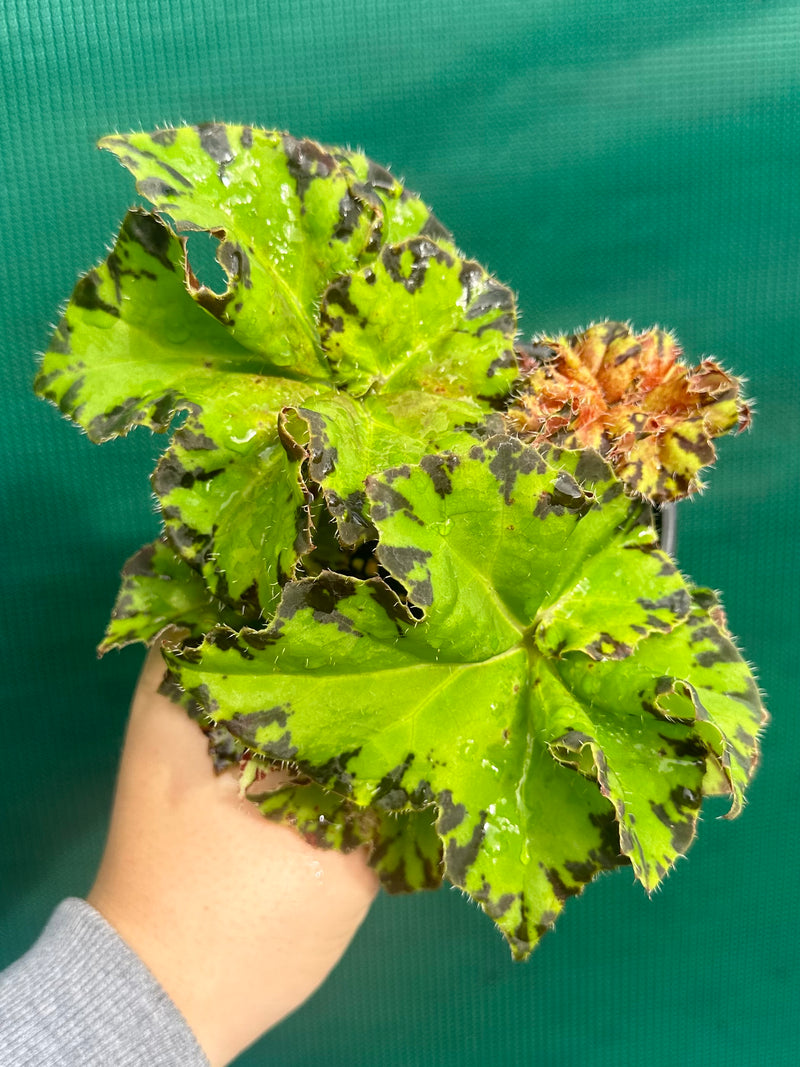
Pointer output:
x,y
628,396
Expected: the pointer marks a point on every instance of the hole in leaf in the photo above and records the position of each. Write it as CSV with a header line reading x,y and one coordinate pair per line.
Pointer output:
x,y
360,562
201,250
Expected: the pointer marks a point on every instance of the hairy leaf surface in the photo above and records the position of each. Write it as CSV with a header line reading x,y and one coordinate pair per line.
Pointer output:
x,y
290,216
160,591
693,675
347,440
459,734
470,653
233,498
477,709
628,396
141,341
528,516
420,317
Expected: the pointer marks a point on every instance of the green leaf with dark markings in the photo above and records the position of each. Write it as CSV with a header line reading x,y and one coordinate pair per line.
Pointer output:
x,y
234,504
139,349
420,317
695,674
132,347
547,762
484,765
347,440
400,213
529,513
140,341
650,768
290,216
161,592
402,846
471,655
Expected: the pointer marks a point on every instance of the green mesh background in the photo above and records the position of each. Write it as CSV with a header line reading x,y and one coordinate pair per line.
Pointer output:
x,y
605,158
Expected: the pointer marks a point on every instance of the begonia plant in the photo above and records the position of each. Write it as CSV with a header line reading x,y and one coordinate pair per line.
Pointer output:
x,y
407,557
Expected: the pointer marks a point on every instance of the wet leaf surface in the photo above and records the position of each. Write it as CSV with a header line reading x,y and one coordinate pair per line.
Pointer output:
x,y
545,764
471,653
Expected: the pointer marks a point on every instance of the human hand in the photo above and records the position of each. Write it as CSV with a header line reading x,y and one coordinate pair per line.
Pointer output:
x,y
239,919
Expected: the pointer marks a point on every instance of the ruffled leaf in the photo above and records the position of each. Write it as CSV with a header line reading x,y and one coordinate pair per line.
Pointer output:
x,y
160,592
508,683
348,440
694,675
546,764
526,513
233,498
141,340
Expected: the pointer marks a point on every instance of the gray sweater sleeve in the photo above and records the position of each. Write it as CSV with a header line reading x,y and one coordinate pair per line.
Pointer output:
x,y
81,998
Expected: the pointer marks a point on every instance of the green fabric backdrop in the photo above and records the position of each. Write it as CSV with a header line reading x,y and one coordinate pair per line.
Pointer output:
x,y
606,158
